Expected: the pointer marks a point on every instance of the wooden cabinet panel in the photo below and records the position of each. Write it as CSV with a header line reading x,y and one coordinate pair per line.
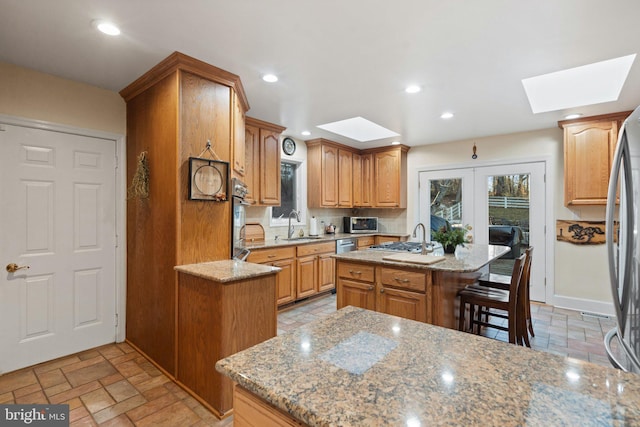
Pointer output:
x,y
406,304
251,411
355,271
367,179
260,256
382,239
357,294
285,281
269,168
357,179
404,279
387,178
262,158
589,146
329,188
345,179
365,242
252,159
326,273
306,276
239,146
316,249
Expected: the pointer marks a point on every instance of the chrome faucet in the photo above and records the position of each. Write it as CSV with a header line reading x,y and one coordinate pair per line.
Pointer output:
x,y
291,227
424,250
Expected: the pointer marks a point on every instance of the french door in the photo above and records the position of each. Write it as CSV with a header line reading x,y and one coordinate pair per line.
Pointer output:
x,y
505,205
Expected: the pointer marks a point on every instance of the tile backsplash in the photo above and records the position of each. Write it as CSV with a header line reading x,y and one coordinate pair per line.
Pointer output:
x,y
390,220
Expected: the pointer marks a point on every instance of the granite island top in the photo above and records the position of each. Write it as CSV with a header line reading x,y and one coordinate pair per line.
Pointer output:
x,y
227,270
361,368
471,258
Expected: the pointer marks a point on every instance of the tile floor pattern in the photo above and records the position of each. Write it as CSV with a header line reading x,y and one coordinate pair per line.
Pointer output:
x,y
114,385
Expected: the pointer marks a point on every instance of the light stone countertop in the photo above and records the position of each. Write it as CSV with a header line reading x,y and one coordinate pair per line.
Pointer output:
x,y
227,270
271,243
472,258
361,368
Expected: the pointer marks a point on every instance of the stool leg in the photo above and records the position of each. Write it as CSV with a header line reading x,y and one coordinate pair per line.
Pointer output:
x,y
463,303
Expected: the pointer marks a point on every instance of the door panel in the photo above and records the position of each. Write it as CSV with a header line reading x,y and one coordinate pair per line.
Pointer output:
x,y
59,219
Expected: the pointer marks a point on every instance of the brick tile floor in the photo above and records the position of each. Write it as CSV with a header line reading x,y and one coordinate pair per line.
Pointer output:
x,y
114,385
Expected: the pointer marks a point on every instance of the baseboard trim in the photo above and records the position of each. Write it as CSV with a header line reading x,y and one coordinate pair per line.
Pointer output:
x,y
580,304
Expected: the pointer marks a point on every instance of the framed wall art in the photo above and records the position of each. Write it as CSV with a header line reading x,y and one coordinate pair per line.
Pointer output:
x,y
208,179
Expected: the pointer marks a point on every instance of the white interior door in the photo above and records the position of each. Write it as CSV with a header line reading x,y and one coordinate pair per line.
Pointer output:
x,y
58,218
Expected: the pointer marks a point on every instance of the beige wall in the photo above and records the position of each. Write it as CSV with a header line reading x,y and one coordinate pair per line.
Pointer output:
x,y
34,95
580,276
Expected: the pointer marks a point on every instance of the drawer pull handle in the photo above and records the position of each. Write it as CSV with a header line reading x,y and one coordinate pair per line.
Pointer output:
x,y
397,279
271,256
355,272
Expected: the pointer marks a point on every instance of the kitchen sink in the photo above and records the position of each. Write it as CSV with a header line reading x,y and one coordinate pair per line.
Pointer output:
x,y
295,239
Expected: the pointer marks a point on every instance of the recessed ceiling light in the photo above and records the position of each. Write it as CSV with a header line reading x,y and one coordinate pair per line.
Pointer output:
x,y
305,133
446,115
106,27
360,129
586,85
572,116
270,78
413,89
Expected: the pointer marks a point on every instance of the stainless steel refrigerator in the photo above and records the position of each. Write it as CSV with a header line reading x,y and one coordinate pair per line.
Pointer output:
x,y
623,223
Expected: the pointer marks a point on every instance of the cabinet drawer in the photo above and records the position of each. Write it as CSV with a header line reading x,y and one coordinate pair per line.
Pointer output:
x,y
404,279
356,271
267,255
366,241
316,248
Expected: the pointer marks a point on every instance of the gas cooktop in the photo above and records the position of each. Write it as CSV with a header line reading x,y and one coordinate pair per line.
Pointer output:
x,y
411,247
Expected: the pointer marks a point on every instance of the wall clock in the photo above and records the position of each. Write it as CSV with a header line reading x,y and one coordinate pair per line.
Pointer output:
x,y
208,179
288,146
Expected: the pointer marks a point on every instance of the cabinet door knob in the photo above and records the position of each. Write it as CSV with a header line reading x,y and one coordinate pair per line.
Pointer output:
x,y
371,287
382,290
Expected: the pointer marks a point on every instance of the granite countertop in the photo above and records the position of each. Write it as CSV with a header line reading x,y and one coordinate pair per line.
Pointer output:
x,y
318,239
362,368
227,270
472,258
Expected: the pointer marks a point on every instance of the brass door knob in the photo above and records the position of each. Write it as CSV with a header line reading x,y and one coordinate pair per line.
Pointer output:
x,y
12,267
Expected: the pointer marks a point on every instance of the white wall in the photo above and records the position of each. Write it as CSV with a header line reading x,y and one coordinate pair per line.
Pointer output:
x,y
30,94
580,276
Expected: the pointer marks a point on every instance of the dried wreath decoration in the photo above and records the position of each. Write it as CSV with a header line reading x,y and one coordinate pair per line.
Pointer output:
x,y
140,183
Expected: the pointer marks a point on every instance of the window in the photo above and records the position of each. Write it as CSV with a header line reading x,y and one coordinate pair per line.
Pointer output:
x,y
292,183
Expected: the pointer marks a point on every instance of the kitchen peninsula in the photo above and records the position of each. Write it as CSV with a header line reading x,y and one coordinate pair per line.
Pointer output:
x,y
422,292
362,368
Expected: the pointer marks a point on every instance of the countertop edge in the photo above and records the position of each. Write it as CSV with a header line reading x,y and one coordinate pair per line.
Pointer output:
x,y
226,271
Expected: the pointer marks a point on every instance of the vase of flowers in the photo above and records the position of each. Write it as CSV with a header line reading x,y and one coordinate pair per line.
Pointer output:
x,y
452,237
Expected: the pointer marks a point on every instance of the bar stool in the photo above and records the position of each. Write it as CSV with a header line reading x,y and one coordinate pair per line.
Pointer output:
x,y
481,299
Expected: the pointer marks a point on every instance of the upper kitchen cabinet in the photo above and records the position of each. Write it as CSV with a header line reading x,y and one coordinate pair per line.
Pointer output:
x,y
330,175
262,158
172,111
390,176
239,146
343,177
589,146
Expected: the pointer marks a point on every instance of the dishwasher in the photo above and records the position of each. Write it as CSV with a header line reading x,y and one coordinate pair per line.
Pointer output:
x,y
345,245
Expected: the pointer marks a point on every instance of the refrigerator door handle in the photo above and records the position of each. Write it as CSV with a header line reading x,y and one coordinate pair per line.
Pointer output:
x,y
621,164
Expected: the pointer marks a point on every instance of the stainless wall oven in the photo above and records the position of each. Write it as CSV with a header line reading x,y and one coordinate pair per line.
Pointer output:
x,y
238,220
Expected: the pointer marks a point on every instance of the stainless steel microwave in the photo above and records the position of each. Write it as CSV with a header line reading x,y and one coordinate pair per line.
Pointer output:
x,y
360,224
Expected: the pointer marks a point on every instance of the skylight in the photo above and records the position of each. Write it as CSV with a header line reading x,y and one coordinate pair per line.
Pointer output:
x,y
360,129
586,85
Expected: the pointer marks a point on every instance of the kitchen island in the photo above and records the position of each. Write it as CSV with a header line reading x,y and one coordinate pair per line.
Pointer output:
x,y
223,307
362,368
423,292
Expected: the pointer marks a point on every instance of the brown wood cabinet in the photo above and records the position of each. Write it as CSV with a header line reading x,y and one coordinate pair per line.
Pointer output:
x,y
342,177
262,150
382,239
172,111
217,320
399,292
365,241
306,269
239,146
589,146
285,258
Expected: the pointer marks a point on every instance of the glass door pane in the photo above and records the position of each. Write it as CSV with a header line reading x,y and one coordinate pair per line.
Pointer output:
x,y
508,203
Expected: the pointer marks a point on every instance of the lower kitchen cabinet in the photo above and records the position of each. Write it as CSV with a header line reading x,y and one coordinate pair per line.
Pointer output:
x,y
399,292
306,269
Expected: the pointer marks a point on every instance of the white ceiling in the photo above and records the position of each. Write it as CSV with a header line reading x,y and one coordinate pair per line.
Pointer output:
x,y
339,59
